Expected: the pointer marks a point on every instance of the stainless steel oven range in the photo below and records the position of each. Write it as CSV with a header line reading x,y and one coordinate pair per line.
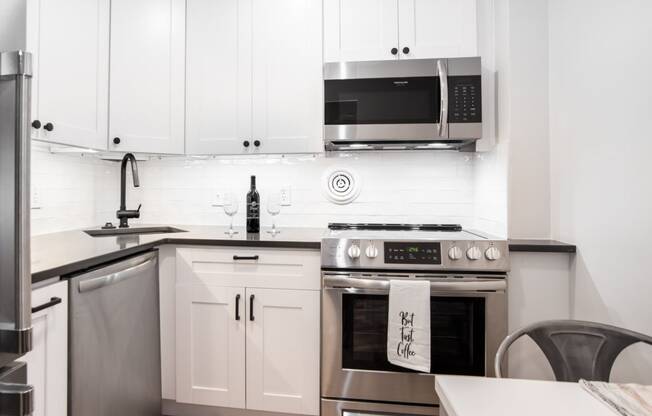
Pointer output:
x,y
467,273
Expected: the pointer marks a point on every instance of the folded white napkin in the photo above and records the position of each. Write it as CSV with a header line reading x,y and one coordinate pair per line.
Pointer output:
x,y
408,324
623,399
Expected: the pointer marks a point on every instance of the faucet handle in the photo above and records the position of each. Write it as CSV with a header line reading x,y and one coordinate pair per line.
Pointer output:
x,y
139,205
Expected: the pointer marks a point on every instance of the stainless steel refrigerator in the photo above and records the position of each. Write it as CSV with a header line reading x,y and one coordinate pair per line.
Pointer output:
x,y
15,275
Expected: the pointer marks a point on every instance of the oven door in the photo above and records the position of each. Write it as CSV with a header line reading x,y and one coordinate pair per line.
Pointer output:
x,y
468,322
352,408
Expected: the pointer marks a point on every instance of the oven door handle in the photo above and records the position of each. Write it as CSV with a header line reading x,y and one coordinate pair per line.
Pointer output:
x,y
439,286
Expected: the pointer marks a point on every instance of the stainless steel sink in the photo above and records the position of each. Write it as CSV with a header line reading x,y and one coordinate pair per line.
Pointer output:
x,y
109,232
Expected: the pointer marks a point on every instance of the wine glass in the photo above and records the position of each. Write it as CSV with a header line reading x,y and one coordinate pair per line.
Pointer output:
x,y
230,209
274,208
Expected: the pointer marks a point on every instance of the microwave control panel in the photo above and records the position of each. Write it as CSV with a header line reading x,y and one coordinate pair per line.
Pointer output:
x,y
412,253
465,99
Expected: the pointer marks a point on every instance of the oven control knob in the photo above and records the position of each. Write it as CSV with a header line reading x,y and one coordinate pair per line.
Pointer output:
x,y
492,254
474,253
455,253
371,251
354,251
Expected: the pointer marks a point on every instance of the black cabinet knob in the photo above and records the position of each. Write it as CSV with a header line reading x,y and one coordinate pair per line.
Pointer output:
x,y
256,143
245,143
406,50
36,124
116,140
48,127
394,51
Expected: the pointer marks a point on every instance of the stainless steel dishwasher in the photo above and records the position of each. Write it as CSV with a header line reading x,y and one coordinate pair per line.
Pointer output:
x,y
115,360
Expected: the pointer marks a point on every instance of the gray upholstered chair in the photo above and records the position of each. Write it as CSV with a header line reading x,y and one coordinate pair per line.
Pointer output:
x,y
575,349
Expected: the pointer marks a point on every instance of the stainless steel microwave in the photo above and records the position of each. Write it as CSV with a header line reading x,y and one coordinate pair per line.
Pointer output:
x,y
403,104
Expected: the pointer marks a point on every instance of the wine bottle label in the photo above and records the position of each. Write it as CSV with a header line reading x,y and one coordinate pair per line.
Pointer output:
x,y
253,211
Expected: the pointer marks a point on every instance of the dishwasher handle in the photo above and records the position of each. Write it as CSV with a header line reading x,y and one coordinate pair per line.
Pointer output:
x,y
113,278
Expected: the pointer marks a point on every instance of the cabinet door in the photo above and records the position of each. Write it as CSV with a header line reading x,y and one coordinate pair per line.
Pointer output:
x,y
218,78
283,351
210,351
47,363
437,28
360,30
287,76
70,43
147,76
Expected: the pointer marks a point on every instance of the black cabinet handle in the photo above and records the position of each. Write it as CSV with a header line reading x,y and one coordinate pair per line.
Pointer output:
x,y
116,140
36,124
406,50
246,257
245,143
237,307
394,51
251,307
48,127
256,143
51,303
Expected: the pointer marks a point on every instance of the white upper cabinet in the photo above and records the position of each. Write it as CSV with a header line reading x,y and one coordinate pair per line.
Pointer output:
x,y
218,83
437,28
70,43
360,30
147,76
364,30
254,76
287,76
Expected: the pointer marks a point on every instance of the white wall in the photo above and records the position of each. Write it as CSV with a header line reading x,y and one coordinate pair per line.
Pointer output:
x,y
12,24
71,191
527,79
601,175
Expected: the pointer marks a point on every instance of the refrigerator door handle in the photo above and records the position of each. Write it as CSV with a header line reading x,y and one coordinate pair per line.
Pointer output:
x,y
15,396
15,143
16,399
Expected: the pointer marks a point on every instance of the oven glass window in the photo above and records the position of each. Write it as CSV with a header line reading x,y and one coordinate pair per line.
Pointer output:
x,y
382,101
457,334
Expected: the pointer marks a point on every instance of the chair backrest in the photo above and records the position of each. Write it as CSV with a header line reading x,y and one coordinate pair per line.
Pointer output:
x,y
576,349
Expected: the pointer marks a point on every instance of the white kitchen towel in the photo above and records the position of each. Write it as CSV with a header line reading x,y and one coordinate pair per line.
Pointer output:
x,y
408,324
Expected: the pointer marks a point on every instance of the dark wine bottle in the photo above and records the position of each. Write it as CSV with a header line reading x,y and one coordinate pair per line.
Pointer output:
x,y
253,208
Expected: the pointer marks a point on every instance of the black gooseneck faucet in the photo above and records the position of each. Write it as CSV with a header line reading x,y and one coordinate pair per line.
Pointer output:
x,y
123,213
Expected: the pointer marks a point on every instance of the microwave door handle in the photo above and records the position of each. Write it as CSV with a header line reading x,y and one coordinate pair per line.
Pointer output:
x,y
439,286
442,71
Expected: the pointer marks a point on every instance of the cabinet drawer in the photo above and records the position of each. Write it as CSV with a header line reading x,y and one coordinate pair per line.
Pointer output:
x,y
250,267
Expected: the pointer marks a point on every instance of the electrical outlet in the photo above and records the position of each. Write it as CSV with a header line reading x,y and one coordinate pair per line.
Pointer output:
x,y
285,196
218,200
36,199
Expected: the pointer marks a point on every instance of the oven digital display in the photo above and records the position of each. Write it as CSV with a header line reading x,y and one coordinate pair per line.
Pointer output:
x,y
412,253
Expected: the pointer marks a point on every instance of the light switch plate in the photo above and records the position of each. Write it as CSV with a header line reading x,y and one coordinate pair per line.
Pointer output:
x,y
285,196
218,199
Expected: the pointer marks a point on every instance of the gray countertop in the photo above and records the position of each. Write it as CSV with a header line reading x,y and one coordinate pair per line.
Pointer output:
x,y
69,252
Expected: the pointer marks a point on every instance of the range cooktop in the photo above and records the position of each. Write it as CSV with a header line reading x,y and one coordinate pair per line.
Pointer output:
x,y
411,246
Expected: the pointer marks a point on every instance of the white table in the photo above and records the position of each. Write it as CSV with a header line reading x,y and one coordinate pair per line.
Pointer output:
x,y
480,396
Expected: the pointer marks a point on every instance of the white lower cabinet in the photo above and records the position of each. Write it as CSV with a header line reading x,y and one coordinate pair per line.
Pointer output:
x,y
240,345
47,363
283,351
210,346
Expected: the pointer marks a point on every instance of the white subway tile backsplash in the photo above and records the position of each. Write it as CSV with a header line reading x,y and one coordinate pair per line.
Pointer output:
x,y
78,191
